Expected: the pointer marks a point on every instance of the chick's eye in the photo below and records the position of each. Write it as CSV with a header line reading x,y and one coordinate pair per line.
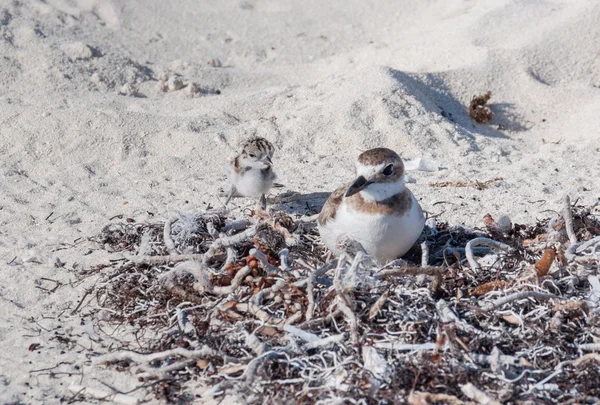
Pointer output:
x,y
389,169
252,155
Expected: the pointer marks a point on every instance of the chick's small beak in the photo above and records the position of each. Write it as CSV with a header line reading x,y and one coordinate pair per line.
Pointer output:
x,y
267,160
359,184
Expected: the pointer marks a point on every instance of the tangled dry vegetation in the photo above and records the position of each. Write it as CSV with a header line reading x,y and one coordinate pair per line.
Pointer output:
x,y
257,309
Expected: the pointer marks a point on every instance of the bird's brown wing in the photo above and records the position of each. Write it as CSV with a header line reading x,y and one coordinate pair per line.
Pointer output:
x,y
331,205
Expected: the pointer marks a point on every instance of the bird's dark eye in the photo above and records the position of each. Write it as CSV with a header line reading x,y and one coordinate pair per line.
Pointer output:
x,y
252,155
389,169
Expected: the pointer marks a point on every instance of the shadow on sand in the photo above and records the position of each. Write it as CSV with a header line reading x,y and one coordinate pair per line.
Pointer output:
x,y
433,93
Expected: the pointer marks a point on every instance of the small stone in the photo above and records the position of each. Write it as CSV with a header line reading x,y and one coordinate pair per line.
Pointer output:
x,y
504,224
193,90
95,78
127,90
78,51
175,83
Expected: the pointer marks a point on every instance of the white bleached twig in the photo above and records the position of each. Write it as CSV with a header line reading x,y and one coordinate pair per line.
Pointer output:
x,y
425,398
570,253
590,347
448,316
477,395
497,359
569,219
587,244
378,305
343,302
193,268
203,284
259,313
147,358
258,298
283,259
351,319
226,241
310,297
518,296
295,317
230,258
324,342
163,372
223,241
169,244
254,343
434,272
306,336
595,357
235,283
404,347
482,242
424,254
174,258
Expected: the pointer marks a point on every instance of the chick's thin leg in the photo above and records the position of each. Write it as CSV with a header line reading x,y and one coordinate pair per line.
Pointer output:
x,y
230,196
263,202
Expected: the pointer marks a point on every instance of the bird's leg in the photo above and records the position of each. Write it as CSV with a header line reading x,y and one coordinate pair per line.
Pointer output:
x,y
263,202
230,196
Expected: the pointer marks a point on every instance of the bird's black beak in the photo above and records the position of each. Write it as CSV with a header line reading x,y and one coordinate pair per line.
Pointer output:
x,y
358,185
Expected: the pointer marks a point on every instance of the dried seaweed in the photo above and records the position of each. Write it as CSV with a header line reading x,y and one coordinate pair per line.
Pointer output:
x,y
265,313
478,109
479,185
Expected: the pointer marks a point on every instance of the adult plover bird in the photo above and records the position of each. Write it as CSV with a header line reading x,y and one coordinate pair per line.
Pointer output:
x,y
376,210
251,172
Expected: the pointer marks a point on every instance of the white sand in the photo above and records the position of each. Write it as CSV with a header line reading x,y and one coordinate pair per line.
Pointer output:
x,y
323,80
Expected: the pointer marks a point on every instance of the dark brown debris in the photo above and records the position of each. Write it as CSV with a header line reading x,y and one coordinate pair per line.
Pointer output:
x,y
478,109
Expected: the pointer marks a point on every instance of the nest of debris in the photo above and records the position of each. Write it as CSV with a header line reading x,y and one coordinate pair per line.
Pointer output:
x,y
258,308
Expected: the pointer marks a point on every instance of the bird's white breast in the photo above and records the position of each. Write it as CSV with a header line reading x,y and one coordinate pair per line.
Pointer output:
x,y
384,237
252,183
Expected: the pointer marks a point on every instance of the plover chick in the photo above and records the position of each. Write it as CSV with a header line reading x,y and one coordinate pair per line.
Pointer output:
x,y
376,210
251,172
